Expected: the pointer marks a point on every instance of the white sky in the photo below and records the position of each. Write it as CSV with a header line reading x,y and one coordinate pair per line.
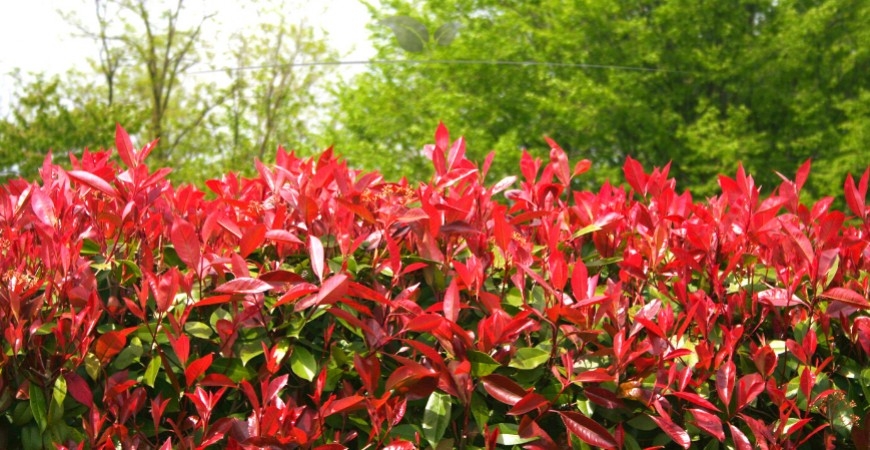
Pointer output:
x,y
35,38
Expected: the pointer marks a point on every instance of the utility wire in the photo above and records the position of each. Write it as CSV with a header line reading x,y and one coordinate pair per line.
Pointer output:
x,y
485,62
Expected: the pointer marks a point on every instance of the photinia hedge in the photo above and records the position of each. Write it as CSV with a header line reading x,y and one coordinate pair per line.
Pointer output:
x,y
319,307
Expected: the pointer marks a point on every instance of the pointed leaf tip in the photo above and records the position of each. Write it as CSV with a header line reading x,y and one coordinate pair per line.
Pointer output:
x,y
125,147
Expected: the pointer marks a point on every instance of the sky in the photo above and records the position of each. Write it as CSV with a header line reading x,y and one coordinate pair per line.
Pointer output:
x,y
35,38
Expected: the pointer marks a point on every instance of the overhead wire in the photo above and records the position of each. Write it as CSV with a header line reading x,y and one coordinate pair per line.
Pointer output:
x,y
526,63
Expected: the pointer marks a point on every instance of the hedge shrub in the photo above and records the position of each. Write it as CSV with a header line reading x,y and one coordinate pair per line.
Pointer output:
x,y
319,307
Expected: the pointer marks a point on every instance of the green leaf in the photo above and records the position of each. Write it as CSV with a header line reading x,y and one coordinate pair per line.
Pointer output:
x,y
58,394
38,406
436,418
151,372
198,330
528,358
31,438
249,350
129,355
509,434
303,364
482,364
480,410
410,33
232,368
46,328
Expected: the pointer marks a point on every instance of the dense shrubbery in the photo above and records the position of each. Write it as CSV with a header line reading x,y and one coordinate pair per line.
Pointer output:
x,y
319,307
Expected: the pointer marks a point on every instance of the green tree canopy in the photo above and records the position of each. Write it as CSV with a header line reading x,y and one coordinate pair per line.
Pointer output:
x,y
703,84
58,114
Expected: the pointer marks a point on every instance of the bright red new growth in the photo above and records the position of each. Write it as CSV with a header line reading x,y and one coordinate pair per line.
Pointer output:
x,y
314,306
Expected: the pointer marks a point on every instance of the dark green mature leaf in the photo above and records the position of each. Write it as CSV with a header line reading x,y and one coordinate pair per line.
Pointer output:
x,y
412,35
38,406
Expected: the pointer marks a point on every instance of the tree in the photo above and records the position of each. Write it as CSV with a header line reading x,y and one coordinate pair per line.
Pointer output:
x,y
276,86
159,80
157,46
705,85
61,114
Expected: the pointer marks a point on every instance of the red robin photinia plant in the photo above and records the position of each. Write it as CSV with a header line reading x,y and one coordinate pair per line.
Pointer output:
x,y
319,307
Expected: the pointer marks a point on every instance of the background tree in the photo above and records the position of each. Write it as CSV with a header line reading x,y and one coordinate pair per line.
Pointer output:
x,y
158,45
276,89
156,73
61,114
705,85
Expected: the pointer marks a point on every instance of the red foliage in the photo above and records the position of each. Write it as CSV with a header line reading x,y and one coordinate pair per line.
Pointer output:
x,y
320,307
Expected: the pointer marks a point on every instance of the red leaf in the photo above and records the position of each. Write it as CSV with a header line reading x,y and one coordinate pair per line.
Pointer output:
x,y
281,276
283,236
369,370
111,343
125,147
581,167
180,345
580,280
213,300
167,287
503,389
587,430
779,298
635,176
93,181
197,368
854,197
217,380
530,402
725,382
343,404
315,250
252,239
413,215
765,360
598,375
603,397
847,296
42,206
244,285
696,399
79,389
740,439
708,422
748,388
808,381
442,137
677,434
424,323
332,289
406,376
451,302
186,242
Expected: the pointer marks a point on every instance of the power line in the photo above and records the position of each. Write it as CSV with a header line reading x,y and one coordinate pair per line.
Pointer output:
x,y
443,61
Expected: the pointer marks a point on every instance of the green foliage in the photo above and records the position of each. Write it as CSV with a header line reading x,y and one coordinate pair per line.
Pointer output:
x,y
769,84
58,114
